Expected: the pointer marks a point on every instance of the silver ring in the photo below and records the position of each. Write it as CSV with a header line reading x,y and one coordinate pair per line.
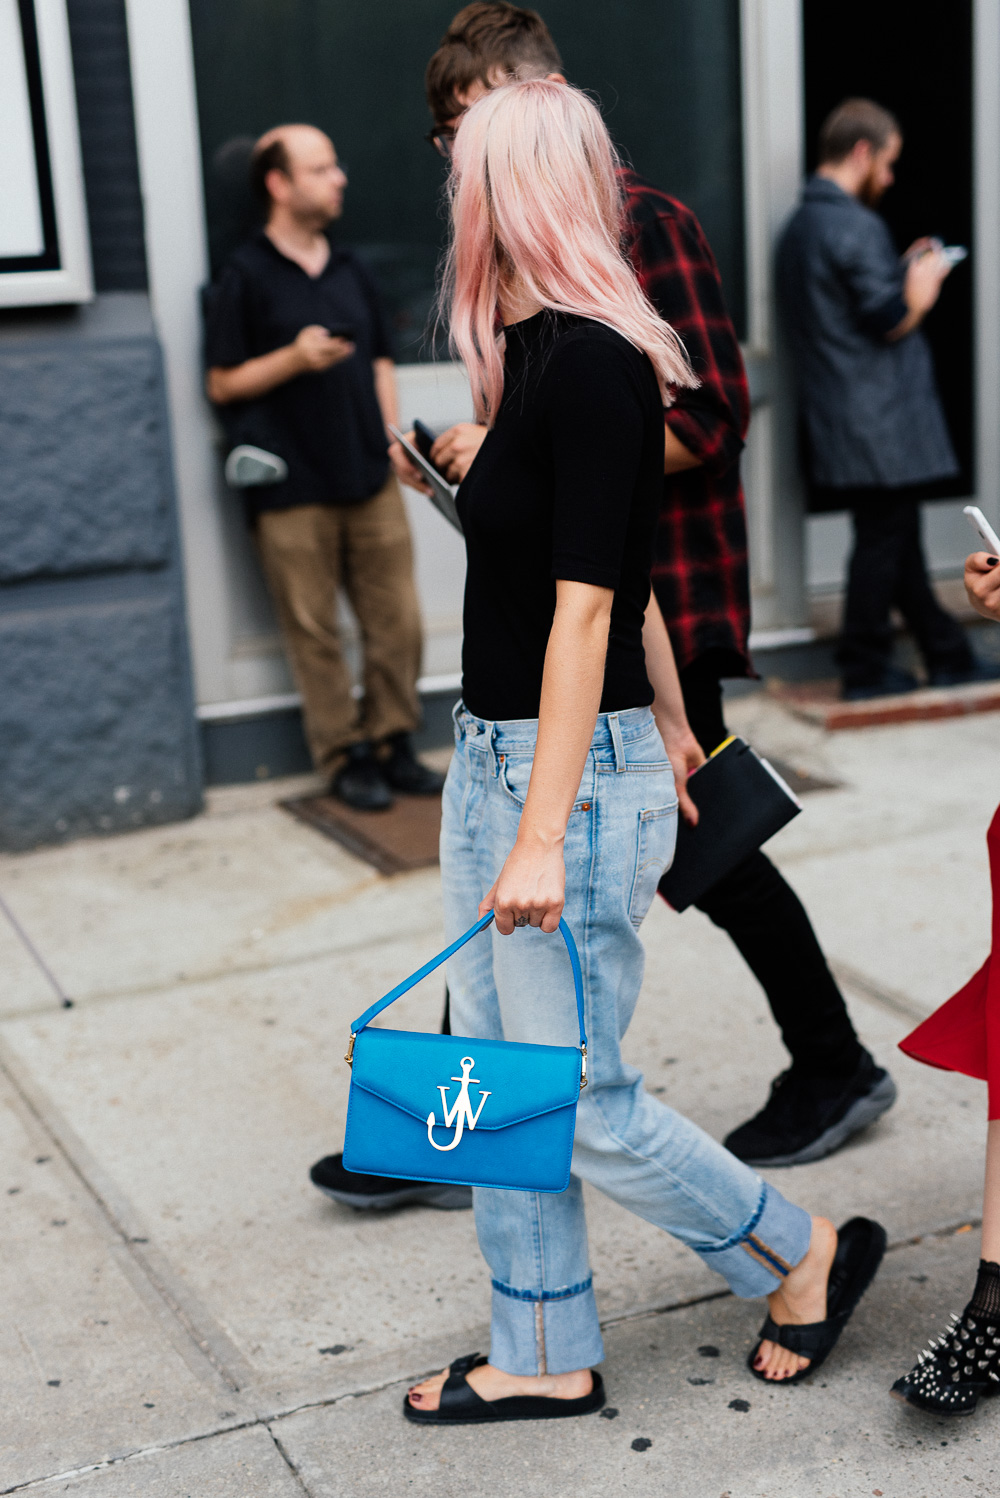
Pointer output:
x,y
520,920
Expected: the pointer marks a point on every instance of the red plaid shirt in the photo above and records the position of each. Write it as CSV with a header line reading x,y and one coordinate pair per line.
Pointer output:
x,y
700,564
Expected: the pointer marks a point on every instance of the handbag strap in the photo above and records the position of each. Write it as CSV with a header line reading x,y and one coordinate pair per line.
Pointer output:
x,y
428,967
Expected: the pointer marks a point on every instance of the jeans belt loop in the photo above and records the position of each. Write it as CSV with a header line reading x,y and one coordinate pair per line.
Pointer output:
x,y
494,762
616,739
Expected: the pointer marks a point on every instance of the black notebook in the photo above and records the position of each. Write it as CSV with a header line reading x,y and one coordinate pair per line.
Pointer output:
x,y
741,802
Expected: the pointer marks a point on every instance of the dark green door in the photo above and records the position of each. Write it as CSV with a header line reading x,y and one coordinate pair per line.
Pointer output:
x,y
665,71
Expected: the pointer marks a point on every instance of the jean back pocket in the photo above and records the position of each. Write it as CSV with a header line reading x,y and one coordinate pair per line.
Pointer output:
x,y
654,854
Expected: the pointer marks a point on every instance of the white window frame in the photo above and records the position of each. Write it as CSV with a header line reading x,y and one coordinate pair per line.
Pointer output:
x,y
72,281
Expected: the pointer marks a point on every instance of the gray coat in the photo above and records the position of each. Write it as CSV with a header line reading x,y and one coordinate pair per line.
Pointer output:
x,y
871,410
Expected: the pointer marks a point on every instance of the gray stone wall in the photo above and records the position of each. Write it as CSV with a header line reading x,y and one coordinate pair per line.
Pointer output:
x,y
97,726
83,447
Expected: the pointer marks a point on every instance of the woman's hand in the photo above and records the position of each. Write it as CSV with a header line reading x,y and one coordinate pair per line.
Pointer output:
x,y
685,754
682,748
455,450
404,470
531,889
982,583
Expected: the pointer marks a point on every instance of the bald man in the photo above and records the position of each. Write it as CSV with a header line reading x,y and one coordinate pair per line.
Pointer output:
x,y
300,364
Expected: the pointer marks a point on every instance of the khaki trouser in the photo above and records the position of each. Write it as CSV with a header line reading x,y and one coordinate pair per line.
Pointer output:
x,y
309,553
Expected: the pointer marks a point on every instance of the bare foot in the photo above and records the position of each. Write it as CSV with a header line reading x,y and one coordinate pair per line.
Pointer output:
x,y
800,1300
491,1383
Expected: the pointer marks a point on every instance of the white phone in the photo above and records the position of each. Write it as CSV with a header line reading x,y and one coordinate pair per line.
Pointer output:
x,y
983,529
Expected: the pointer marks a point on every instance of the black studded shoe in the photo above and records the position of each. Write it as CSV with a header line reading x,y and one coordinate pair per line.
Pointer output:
x,y
955,1371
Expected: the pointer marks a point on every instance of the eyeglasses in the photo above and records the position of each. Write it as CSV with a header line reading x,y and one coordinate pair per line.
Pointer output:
x,y
442,139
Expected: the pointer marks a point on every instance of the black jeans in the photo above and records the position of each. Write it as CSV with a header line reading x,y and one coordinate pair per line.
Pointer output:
x,y
767,921
888,569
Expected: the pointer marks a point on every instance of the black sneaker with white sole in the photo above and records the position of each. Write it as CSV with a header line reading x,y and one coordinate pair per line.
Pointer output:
x,y
806,1118
382,1193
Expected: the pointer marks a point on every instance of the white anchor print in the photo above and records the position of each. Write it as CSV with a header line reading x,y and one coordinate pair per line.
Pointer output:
x,y
461,1114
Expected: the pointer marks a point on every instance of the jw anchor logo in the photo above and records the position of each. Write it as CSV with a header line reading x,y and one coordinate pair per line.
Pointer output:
x,y
460,1114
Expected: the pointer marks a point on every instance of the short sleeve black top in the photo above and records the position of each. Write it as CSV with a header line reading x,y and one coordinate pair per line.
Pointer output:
x,y
327,426
567,485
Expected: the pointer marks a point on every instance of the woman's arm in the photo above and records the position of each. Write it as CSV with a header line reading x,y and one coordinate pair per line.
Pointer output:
x,y
683,750
532,881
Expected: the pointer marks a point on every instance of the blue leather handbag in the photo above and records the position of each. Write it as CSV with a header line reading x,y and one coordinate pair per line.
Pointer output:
x,y
468,1112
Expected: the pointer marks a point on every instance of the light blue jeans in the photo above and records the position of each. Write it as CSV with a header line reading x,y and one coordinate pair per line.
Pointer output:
x,y
639,1152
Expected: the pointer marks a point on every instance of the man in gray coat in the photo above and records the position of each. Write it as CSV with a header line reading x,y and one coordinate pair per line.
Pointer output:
x,y
875,432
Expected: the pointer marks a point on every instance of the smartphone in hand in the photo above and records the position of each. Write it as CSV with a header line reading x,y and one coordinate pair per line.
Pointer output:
x,y
983,529
423,440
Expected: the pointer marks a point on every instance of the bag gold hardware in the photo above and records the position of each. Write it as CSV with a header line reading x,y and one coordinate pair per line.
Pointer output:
x,y
349,1058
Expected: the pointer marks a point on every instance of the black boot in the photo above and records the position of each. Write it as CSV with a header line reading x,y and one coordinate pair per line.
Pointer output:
x,y
360,782
404,772
956,1370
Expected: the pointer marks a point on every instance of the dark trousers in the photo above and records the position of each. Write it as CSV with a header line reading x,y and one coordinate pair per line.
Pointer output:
x,y
887,570
769,925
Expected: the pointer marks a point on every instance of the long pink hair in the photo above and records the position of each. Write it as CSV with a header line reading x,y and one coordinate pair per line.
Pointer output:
x,y
535,195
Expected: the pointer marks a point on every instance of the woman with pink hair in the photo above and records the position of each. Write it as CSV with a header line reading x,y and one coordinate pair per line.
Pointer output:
x,y
561,796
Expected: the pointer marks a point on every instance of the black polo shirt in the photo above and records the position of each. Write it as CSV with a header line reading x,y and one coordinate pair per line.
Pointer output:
x,y
328,427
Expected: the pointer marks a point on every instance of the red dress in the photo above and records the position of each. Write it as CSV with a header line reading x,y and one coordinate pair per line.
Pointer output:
x,y
964,1034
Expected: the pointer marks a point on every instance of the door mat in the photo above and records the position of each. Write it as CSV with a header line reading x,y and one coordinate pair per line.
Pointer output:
x,y
395,841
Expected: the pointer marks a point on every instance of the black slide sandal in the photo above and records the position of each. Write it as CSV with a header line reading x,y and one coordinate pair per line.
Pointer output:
x,y
861,1244
461,1405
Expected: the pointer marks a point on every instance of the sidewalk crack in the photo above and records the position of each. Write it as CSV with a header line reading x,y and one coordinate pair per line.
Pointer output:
x,y
207,1349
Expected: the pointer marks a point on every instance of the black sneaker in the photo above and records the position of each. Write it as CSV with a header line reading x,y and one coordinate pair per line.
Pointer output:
x,y
381,1193
963,676
806,1118
892,682
360,782
404,772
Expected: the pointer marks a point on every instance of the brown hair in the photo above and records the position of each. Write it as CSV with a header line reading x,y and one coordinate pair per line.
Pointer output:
x,y
487,42
270,158
851,121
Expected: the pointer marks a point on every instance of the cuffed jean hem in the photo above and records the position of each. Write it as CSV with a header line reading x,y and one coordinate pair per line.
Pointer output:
x,y
756,1259
555,1332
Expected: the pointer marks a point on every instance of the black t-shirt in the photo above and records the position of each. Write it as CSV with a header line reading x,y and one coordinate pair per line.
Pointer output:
x,y
567,485
328,426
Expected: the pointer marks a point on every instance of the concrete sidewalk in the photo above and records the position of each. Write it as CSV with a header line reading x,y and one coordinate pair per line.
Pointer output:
x,y
185,1316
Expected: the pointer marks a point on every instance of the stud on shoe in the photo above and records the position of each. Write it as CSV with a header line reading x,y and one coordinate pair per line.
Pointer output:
x,y
956,1370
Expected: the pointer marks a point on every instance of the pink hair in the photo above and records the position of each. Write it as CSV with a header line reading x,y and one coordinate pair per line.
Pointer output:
x,y
535,198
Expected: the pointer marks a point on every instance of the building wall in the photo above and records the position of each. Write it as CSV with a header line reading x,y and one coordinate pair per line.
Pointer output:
x,y
97,727
99,40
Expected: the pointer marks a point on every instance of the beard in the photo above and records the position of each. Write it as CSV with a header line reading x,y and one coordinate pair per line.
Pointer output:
x,y
871,190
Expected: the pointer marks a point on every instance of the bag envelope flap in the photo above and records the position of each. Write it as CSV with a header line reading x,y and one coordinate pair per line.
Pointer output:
x,y
407,1068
